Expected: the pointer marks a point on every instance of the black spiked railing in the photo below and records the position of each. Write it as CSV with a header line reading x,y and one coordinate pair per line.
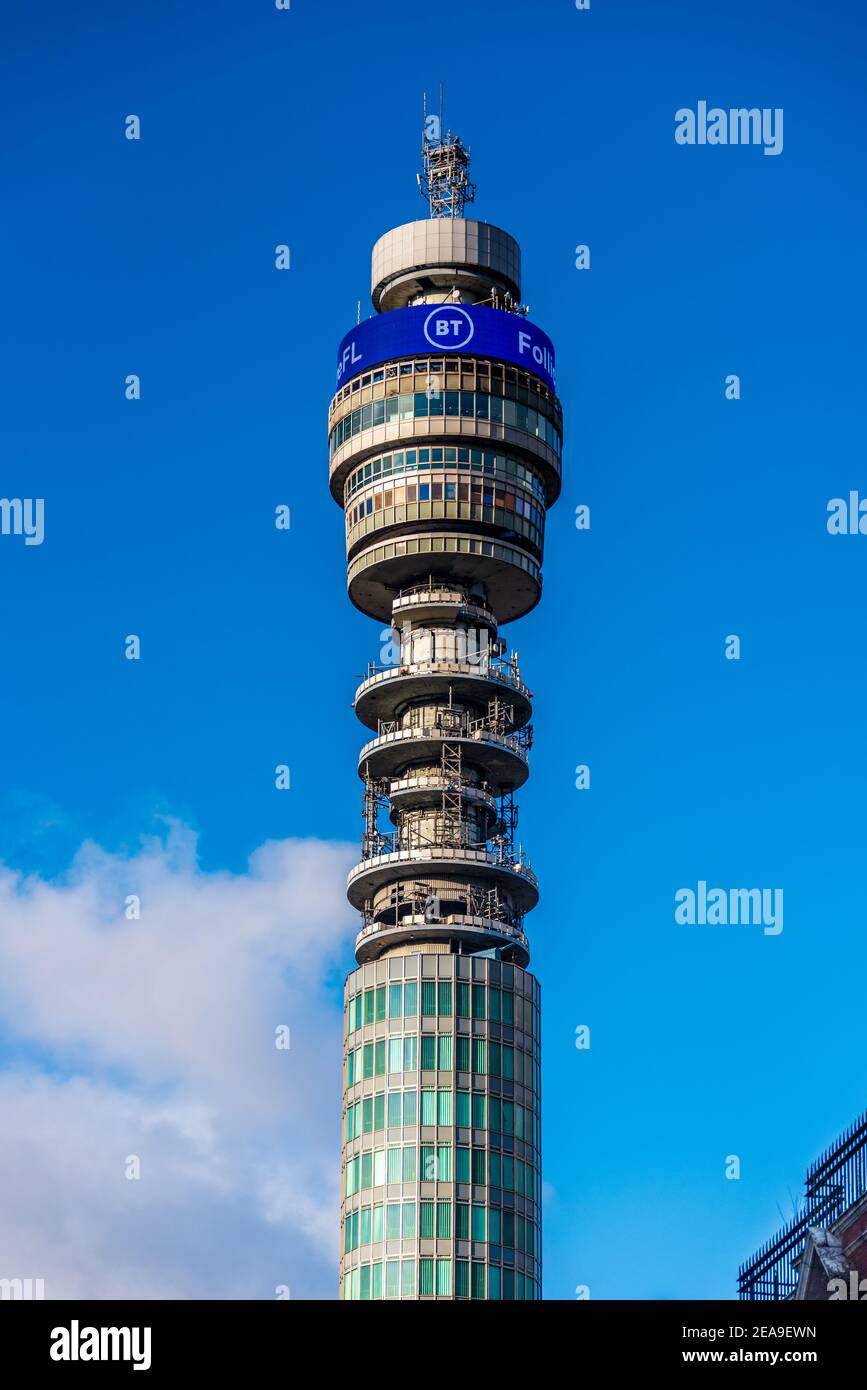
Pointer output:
x,y
835,1181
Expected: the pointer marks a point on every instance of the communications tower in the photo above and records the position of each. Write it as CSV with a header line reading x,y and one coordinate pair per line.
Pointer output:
x,y
445,438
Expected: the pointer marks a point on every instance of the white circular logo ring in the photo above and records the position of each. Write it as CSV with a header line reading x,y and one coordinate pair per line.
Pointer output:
x,y
451,340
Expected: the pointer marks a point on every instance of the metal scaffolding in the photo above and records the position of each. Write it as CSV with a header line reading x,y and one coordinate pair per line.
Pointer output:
x,y
453,805
374,798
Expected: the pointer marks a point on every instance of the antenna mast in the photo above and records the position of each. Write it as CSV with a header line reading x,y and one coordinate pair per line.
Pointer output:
x,y
445,181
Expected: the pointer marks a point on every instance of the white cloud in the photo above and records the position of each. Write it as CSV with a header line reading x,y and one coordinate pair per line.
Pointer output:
x,y
156,1038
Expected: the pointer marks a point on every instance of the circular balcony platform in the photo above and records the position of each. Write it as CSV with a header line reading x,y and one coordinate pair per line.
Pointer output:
x,y
511,577
385,692
438,603
473,934
426,790
502,763
473,865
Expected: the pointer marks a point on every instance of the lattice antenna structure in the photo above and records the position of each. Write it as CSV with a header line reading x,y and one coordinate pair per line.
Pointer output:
x,y
445,179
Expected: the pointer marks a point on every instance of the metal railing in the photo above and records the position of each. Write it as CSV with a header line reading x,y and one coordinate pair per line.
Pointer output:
x,y
438,589
482,663
402,848
374,927
834,1182
519,742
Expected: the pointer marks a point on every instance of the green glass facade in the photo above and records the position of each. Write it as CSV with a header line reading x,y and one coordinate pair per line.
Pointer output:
x,y
441,1130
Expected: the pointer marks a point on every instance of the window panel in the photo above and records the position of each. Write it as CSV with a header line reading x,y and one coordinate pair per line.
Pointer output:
x,y
462,1108
392,1221
508,1173
479,1231
509,1229
444,1107
444,1278
395,1001
444,1220
426,1220
410,1107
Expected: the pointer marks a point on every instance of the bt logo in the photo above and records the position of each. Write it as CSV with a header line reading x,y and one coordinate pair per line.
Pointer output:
x,y
448,327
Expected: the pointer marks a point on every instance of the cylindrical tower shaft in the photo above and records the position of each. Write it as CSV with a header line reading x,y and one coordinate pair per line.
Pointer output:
x,y
445,439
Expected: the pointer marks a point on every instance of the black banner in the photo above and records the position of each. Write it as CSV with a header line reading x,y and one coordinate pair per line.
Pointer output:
x,y
163,1338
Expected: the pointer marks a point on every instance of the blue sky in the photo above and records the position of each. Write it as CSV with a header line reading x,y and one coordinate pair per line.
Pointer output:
x,y
708,518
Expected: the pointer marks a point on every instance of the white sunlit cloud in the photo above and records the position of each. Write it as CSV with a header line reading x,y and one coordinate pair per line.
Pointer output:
x,y
156,1038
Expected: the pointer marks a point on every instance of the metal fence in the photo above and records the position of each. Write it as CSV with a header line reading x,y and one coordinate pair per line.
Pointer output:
x,y
834,1182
